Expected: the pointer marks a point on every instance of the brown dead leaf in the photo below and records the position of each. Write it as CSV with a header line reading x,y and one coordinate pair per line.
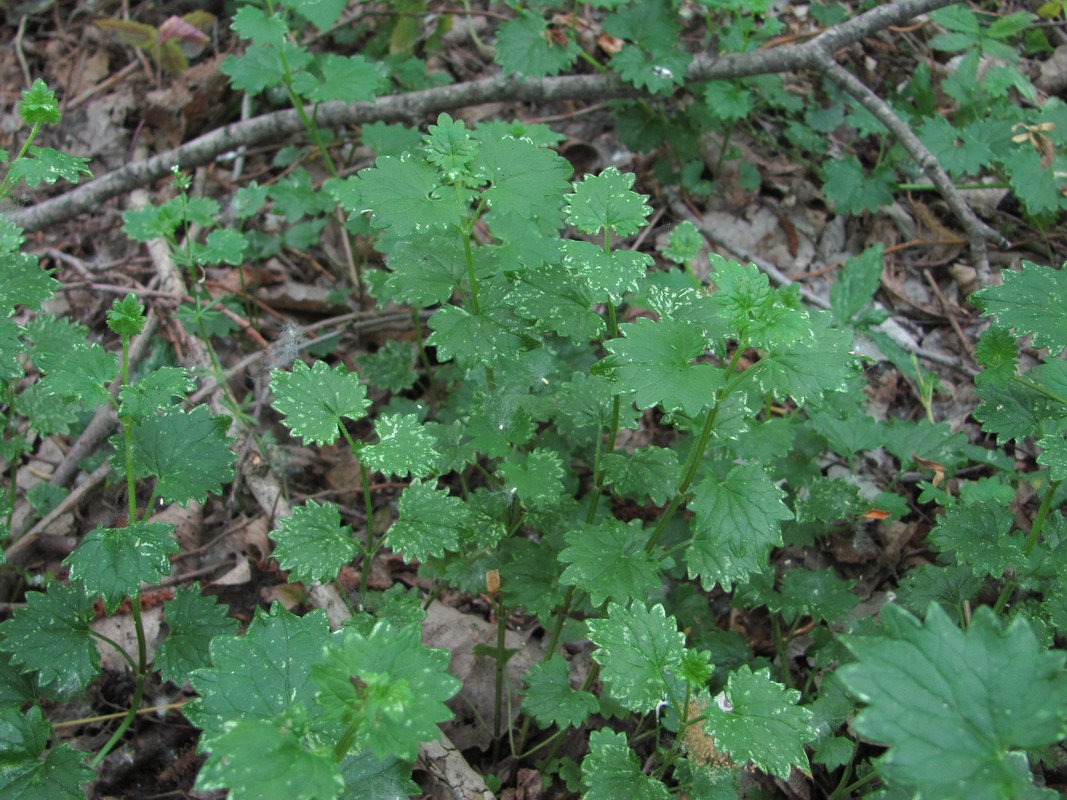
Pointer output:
x,y
239,574
119,628
188,523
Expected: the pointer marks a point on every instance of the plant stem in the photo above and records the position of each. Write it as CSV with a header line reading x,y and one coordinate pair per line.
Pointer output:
x,y
501,661
696,454
368,507
1028,546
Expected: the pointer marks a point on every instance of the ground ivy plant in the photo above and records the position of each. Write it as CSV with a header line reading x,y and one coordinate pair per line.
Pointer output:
x,y
603,447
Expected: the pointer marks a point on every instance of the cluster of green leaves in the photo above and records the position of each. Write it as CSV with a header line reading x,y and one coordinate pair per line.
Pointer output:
x,y
996,126
515,313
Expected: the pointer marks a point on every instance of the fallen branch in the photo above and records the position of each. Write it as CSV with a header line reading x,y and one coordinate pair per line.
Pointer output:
x,y
815,54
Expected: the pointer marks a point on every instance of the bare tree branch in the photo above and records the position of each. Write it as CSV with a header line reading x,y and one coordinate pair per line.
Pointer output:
x,y
978,233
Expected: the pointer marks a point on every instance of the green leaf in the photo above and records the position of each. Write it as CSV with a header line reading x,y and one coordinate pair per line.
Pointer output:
x,y
1009,25
528,579
856,284
549,698
847,433
1013,411
429,522
757,720
647,473
1034,182
85,375
738,521
46,411
386,687
261,66
851,190
390,139
816,593
612,771
608,275
272,759
559,301
404,447
296,197
809,368
450,147
248,200
348,79
979,534
23,282
400,194
45,165
312,544
152,222
223,246
425,268
996,349
189,454
757,315
32,771
53,339
254,23
537,478
1018,303
320,13
38,105
1053,455
390,367
638,648
685,243
157,389
728,100
259,675
126,317
608,560
526,47
193,621
963,691
315,400
114,562
654,360
606,201
369,778
657,72
959,151
51,636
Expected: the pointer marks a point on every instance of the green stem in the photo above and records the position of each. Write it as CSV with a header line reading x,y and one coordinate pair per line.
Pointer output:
x,y
1028,546
5,188
696,453
127,441
501,662
368,507
138,693
780,650
859,783
1037,387
118,648
12,480
465,230
344,742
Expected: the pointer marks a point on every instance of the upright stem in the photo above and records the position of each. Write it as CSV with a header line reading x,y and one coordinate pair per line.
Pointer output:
x,y
141,674
1028,546
695,455
368,507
